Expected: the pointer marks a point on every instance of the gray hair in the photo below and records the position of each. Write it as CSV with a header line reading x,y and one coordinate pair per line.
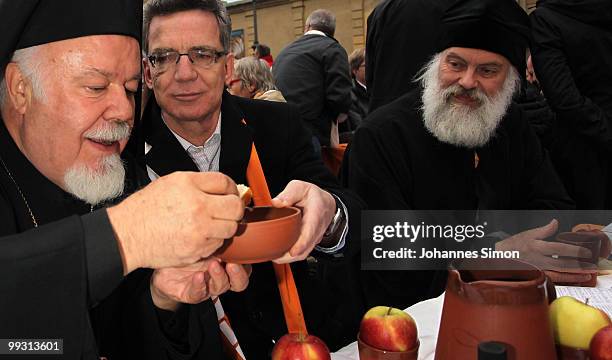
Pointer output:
x,y
237,47
28,63
155,8
254,72
322,20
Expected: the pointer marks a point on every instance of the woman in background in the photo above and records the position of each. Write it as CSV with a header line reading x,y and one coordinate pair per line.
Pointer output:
x,y
253,79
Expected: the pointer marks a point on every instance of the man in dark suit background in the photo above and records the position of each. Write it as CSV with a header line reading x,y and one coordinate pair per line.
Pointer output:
x,y
313,73
193,124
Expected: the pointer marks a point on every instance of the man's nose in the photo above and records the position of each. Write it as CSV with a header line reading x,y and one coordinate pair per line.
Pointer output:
x,y
121,104
468,80
184,70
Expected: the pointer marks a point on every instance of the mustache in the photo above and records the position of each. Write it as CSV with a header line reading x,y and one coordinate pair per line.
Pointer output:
x,y
458,90
114,131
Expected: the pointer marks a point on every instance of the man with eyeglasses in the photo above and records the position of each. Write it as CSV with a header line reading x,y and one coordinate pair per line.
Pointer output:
x,y
192,124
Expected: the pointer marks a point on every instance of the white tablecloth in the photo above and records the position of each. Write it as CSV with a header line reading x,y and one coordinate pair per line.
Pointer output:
x,y
427,315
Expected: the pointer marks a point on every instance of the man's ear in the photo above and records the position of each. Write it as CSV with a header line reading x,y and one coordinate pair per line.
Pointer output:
x,y
229,67
148,77
19,89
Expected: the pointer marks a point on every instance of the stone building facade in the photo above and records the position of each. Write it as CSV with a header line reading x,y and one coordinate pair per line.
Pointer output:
x,y
279,22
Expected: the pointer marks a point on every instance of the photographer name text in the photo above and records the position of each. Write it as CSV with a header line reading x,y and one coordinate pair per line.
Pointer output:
x,y
406,253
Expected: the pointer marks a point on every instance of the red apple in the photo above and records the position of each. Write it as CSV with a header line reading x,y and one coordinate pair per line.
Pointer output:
x,y
300,347
600,347
389,329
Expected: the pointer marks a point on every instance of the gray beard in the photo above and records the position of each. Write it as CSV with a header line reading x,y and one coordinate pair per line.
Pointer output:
x,y
458,124
105,182
97,186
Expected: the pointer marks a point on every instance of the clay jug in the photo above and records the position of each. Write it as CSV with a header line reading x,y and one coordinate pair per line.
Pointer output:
x,y
504,301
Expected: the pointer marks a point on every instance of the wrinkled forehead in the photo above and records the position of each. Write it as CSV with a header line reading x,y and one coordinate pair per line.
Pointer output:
x,y
116,54
476,56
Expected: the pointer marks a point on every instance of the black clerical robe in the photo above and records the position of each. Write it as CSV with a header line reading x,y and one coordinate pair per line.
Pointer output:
x,y
394,163
64,279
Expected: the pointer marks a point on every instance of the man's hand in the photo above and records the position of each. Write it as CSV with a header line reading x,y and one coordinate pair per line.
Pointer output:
x,y
195,283
318,209
176,220
546,255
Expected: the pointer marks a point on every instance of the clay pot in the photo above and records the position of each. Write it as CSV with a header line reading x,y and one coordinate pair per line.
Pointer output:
x,y
367,352
506,303
264,234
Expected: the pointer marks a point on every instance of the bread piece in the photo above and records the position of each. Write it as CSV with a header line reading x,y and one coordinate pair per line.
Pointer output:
x,y
245,194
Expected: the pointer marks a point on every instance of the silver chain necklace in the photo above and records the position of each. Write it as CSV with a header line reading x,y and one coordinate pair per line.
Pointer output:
x,y
20,192
25,201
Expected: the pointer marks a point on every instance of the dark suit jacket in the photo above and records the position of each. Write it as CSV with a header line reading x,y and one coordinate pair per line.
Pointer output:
x,y
313,73
330,302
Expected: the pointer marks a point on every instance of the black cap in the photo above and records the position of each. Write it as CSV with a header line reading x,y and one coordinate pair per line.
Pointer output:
x,y
492,350
499,26
26,23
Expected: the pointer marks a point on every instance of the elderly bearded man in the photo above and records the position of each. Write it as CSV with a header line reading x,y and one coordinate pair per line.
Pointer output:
x,y
459,143
68,105
193,124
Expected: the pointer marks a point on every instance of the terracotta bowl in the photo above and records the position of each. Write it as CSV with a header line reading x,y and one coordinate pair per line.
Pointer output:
x,y
367,352
264,234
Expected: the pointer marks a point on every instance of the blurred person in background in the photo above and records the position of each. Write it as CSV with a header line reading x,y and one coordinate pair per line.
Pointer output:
x,y
252,79
237,47
359,95
262,51
313,73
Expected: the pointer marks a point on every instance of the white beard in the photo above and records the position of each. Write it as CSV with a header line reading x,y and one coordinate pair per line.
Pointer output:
x,y
95,187
106,181
462,125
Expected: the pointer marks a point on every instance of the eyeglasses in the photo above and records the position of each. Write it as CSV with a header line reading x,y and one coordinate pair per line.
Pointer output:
x,y
203,58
